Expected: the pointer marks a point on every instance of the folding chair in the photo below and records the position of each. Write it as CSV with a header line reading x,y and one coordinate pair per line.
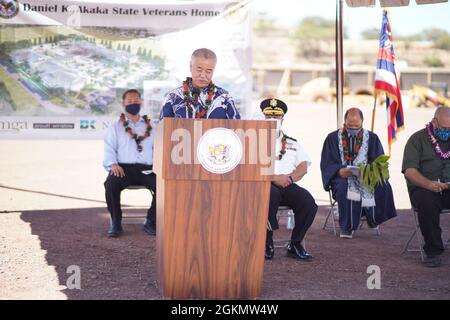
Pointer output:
x,y
417,233
135,218
288,213
333,214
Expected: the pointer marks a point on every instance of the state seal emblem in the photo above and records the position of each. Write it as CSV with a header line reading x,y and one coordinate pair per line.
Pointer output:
x,y
219,150
9,8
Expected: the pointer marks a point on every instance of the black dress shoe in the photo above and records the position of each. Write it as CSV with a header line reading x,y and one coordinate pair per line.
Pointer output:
x,y
150,228
432,261
115,231
296,250
270,250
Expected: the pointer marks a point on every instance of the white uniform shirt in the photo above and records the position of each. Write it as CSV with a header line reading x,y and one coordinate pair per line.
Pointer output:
x,y
295,154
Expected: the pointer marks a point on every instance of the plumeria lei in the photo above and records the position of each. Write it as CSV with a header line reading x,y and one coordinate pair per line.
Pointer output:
x,y
434,142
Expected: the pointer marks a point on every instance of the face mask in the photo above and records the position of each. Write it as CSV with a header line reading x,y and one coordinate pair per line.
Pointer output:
x,y
442,134
353,132
278,124
133,108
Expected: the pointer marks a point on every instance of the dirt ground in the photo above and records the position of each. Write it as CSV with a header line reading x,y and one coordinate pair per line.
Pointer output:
x,y
53,216
125,268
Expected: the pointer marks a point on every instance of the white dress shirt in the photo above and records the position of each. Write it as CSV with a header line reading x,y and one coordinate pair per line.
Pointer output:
x,y
295,154
121,148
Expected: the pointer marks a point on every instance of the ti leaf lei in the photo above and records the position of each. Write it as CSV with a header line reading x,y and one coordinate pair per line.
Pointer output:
x,y
283,146
347,156
188,98
133,135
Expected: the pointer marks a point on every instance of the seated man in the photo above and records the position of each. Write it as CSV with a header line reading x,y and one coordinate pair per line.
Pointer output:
x,y
353,145
291,165
129,159
426,166
198,96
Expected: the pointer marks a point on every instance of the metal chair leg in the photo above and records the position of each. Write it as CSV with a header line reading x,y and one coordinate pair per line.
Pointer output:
x,y
331,214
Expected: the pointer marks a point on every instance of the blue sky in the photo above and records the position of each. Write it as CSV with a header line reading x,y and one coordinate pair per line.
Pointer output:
x,y
405,20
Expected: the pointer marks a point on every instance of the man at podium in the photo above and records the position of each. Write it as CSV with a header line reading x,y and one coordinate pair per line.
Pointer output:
x,y
291,165
198,97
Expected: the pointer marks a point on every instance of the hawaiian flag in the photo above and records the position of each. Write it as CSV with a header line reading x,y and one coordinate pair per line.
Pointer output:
x,y
386,81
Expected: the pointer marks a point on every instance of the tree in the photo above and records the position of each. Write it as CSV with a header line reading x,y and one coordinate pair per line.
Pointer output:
x,y
371,34
316,28
433,62
264,24
443,42
311,33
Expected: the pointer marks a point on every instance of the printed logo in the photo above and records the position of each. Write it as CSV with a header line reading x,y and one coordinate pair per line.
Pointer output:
x,y
219,150
9,8
53,125
13,126
87,124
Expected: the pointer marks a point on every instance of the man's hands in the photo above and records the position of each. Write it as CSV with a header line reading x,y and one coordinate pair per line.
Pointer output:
x,y
282,180
117,171
345,173
436,186
417,179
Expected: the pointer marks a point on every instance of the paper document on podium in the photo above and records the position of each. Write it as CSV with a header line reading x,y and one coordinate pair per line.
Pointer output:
x,y
354,170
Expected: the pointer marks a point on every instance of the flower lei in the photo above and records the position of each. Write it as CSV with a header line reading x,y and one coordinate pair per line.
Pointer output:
x,y
347,156
283,146
188,98
434,142
133,135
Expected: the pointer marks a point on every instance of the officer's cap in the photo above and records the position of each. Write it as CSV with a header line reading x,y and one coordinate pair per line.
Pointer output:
x,y
273,107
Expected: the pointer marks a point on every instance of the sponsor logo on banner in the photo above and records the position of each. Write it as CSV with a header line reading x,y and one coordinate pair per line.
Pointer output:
x,y
13,126
105,124
219,150
53,125
87,125
9,8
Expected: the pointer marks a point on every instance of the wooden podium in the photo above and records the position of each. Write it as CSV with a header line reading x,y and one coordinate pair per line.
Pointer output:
x,y
211,228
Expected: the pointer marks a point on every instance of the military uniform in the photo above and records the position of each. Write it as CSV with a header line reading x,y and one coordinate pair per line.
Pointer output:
x,y
290,154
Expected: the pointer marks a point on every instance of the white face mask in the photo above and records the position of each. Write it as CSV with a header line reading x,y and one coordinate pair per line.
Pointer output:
x,y
278,124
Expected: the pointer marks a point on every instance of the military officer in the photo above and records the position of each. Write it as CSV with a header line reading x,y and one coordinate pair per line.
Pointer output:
x,y
291,165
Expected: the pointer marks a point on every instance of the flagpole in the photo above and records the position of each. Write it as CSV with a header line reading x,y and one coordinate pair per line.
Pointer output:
x,y
373,113
339,64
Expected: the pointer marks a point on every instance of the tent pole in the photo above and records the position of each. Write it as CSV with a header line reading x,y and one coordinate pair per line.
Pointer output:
x,y
339,64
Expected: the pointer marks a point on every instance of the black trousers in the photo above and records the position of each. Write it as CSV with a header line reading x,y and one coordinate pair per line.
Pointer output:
x,y
301,202
133,176
429,205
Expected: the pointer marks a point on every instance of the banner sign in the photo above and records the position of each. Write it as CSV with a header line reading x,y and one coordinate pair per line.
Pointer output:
x,y
64,65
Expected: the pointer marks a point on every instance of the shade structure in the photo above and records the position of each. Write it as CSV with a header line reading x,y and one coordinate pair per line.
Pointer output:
x,y
388,3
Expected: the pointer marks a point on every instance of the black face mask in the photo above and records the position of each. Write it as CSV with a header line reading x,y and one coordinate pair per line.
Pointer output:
x,y
133,108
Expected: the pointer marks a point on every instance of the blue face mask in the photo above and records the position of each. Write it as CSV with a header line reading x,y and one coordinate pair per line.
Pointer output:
x,y
133,108
353,132
442,134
